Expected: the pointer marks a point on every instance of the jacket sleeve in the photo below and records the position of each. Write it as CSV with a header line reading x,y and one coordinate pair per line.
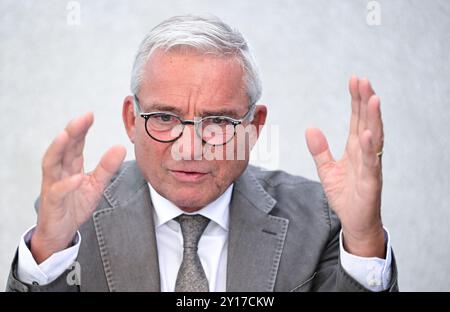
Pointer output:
x,y
64,283
331,276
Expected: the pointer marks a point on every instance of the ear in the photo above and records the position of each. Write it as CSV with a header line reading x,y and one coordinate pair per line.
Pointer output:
x,y
129,119
259,118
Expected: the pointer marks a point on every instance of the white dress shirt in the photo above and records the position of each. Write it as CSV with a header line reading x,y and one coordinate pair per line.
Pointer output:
x,y
372,273
212,247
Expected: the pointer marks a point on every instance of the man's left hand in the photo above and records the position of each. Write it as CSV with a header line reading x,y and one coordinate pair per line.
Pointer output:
x,y
353,183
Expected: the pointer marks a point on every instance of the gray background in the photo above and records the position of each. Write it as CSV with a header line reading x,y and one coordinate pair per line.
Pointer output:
x,y
51,72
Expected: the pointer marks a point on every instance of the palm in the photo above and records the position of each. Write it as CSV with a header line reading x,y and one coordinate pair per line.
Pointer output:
x,y
346,187
78,206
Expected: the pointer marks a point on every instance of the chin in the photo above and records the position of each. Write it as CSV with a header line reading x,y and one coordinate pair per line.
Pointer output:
x,y
191,199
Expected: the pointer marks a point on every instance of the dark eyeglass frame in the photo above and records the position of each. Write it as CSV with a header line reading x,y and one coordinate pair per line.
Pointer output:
x,y
195,123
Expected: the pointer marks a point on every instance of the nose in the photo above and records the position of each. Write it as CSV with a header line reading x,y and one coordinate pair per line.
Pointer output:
x,y
188,146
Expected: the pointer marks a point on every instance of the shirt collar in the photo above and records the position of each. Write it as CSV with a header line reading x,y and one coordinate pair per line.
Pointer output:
x,y
217,211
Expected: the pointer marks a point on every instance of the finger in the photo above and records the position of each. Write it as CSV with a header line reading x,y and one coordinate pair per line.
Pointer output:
x,y
52,160
318,147
108,165
369,154
375,122
77,130
59,190
78,127
353,87
365,91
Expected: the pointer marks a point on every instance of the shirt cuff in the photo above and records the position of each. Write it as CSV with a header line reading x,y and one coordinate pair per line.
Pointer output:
x,y
372,272
29,272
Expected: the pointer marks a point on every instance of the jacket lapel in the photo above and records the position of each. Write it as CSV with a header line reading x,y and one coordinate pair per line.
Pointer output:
x,y
126,234
256,239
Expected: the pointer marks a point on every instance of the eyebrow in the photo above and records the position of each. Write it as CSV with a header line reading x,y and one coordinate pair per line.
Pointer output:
x,y
167,108
220,112
164,107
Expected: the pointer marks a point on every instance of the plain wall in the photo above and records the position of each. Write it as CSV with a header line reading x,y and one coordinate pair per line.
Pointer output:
x,y
51,71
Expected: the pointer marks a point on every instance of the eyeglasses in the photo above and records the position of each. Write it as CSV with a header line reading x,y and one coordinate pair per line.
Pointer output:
x,y
213,130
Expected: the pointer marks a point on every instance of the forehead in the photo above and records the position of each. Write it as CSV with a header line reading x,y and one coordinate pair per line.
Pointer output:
x,y
189,79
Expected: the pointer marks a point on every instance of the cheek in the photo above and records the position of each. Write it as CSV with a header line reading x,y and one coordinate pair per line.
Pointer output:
x,y
149,155
228,170
245,138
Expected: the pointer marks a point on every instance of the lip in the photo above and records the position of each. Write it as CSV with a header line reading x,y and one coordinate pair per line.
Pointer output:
x,y
188,176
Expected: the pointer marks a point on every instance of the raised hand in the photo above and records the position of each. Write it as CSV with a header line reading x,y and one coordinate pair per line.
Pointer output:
x,y
68,195
353,183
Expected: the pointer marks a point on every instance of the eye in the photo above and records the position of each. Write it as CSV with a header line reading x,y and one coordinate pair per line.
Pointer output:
x,y
219,121
164,118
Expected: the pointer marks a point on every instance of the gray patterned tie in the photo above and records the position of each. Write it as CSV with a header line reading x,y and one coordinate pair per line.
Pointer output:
x,y
191,276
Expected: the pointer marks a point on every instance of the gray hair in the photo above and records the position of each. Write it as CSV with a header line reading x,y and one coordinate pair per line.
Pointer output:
x,y
206,34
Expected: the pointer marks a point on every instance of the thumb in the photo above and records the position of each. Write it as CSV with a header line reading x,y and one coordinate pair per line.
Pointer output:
x,y
108,165
318,147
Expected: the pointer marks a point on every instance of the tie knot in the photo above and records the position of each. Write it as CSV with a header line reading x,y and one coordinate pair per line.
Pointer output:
x,y
192,227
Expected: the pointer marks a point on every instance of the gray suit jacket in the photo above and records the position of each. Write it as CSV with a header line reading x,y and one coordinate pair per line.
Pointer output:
x,y
282,237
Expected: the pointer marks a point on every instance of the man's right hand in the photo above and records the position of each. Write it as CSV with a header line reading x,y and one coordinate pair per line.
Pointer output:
x,y
68,195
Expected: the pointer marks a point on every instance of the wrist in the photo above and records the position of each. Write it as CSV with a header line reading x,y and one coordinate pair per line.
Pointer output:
x,y
371,244
42,248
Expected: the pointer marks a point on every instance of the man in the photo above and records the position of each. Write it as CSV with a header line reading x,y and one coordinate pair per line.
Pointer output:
x,y
176,220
